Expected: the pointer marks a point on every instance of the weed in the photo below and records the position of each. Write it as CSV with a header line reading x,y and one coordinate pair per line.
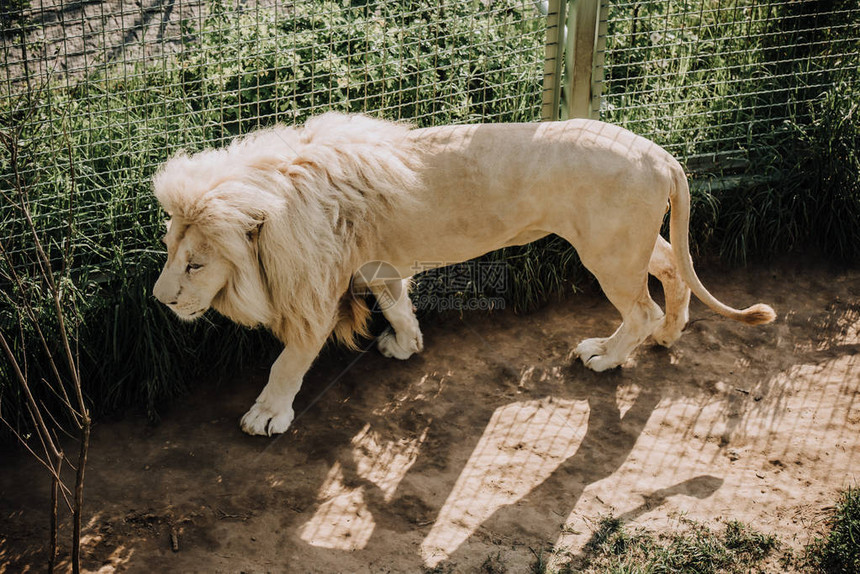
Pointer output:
x,y
494,564
839,551
696,549
541,563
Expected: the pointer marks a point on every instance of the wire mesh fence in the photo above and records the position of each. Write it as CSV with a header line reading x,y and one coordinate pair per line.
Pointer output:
x,y
104,91
712,80
107,90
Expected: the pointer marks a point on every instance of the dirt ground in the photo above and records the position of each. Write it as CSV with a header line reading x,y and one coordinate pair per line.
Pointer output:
x,y
493,443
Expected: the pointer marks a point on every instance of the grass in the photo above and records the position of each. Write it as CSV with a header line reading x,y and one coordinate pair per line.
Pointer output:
x,y
692,549
711,90
761,94
838,552
696,548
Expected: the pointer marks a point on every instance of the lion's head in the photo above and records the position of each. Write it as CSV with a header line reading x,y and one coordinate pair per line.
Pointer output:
x,y
269,230
216,211
195,272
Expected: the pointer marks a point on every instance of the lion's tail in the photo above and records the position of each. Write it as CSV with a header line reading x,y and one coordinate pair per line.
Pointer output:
x,y
679,230
353,315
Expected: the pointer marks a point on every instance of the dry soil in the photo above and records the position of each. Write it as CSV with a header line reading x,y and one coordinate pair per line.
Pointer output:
x,y
493,443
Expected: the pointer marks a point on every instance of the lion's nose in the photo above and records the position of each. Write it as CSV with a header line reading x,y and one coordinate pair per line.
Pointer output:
x,y
160,292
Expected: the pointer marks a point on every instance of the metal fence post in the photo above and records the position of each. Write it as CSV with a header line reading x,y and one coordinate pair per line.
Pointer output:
x,y
584,59
554,58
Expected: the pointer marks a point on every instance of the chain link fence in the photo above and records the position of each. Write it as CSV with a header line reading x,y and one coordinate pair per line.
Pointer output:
x,y
107,90
712,81
95,95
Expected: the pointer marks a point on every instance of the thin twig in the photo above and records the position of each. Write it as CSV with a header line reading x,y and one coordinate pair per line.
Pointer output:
x,y
55,523
31,315
34,412
39,459
57,425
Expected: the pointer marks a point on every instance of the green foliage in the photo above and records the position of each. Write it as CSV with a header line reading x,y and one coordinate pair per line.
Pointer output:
x,y
12,13
839,551
444,65
809,197
696,549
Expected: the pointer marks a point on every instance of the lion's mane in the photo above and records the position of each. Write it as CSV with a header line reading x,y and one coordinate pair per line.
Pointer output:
x,y
293,212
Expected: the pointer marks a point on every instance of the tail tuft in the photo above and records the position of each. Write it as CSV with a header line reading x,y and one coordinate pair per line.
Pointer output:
x,y
759,314
353,315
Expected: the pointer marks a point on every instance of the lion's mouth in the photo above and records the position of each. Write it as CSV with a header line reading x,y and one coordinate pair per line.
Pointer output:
x,y
188,316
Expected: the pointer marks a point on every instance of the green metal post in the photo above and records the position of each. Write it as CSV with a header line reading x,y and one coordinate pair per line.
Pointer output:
x,y
581,94
553,59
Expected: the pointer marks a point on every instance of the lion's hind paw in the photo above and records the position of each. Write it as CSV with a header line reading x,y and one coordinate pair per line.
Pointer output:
x,y
595,356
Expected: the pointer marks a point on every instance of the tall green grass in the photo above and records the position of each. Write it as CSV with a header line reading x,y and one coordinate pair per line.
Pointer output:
x,y
760,101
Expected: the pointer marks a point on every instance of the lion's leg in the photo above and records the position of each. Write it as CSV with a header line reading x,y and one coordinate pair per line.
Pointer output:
x,y
640,316
624,280
662,266
273,412
404,337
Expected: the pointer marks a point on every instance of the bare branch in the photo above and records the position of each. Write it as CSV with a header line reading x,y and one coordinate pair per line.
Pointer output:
x,y
34,412
39,459
31,315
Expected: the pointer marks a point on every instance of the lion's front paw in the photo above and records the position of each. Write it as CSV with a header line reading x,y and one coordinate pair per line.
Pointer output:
x,y
262,420
594,355
400,346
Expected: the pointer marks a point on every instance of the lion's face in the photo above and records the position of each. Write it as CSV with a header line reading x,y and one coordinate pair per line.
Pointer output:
x,y
194,273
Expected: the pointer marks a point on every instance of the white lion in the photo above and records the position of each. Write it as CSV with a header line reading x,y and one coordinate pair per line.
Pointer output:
x,y
270,230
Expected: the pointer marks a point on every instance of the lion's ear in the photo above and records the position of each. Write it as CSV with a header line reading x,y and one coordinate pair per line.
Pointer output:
x,y
254,232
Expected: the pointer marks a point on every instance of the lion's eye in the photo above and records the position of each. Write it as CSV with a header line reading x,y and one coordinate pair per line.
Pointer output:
x,y
192,267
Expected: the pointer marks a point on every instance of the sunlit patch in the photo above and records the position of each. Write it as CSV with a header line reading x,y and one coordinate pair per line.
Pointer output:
x,y
848,327
117,561
735,451
522,445
90,536
803,411
625,397
532,374
428,388
343,520
384,463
